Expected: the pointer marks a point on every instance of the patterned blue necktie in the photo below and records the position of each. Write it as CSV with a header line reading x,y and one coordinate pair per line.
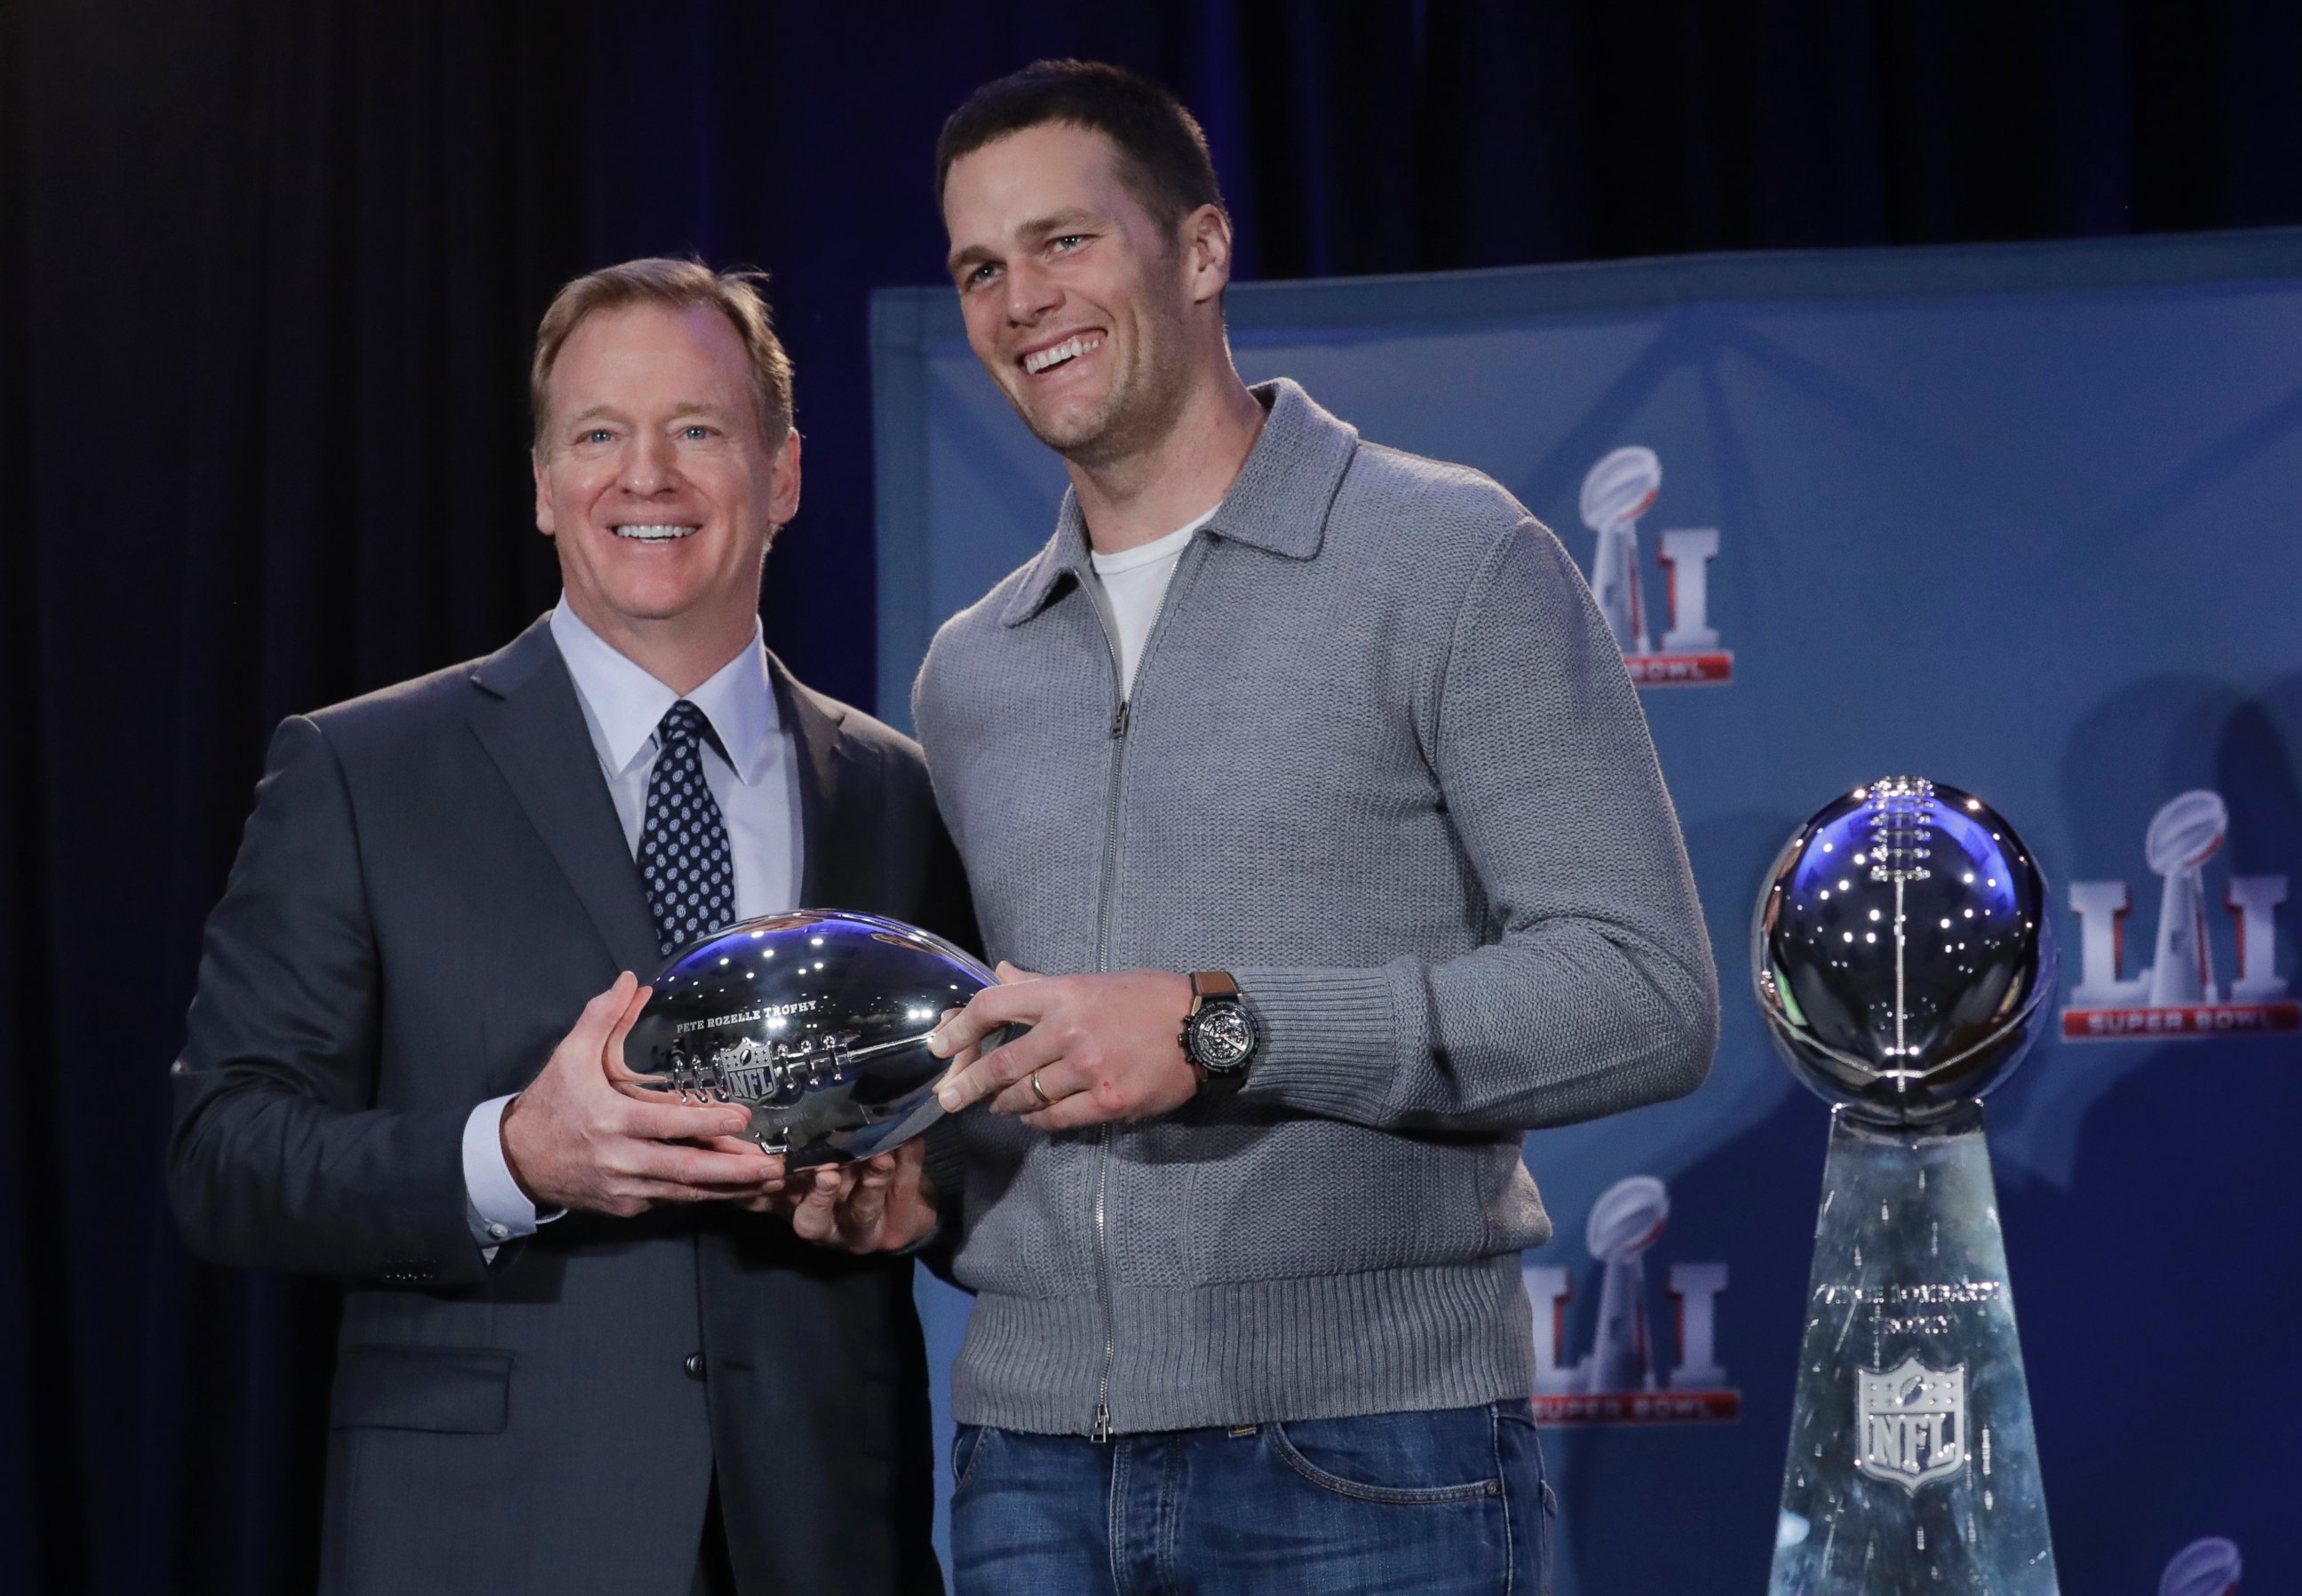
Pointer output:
x,y
684,860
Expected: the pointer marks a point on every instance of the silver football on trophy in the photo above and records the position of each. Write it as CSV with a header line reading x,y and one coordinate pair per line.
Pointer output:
x,y
1902,950
816,1020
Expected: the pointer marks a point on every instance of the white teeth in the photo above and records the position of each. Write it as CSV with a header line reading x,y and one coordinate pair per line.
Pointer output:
x,y
1069,348
653,534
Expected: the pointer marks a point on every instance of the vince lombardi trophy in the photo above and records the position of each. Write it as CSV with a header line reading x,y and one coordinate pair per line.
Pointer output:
x,y
1904,962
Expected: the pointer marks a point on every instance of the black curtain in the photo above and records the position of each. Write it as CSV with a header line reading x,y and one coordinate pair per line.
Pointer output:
x,y
268,272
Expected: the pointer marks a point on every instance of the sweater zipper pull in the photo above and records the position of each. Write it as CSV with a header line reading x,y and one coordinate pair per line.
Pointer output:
x,y
1119,721
1102,1431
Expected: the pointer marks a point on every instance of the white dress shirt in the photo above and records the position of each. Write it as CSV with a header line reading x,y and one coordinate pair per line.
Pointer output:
x,y
757,796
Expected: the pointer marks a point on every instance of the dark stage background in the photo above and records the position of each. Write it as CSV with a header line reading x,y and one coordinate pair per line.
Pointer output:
x,y
268,272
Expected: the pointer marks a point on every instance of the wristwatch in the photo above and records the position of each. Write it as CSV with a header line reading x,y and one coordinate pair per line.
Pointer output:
x,y
1219,1036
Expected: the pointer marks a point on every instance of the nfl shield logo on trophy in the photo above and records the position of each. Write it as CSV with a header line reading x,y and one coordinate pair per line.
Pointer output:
x,y
744,1067
1912,1421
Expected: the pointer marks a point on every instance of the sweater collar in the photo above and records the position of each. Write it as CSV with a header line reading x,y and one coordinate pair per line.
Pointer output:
x,y
1278,502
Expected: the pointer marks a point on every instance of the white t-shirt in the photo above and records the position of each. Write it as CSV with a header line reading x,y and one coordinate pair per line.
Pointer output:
x,y
1135,581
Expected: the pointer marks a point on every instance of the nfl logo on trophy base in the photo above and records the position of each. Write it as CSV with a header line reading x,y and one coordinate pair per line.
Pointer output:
x,y
1913,1422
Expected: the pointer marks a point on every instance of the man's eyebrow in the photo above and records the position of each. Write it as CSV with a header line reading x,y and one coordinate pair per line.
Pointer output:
x,y
681,407
1063,221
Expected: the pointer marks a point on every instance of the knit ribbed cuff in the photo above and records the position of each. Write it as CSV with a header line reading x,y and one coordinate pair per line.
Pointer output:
x,y
1330,1039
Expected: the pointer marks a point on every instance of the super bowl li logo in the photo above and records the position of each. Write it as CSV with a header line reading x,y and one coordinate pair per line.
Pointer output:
x,y
1616,492
1620,1380
2179,993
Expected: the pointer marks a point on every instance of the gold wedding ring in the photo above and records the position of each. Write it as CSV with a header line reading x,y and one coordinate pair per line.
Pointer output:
x,y
1040,1091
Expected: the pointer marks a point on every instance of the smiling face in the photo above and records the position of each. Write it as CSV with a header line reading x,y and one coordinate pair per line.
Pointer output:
x,y
1088,314
656,485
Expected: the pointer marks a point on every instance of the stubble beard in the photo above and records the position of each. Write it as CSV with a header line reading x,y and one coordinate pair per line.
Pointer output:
x,y
1085,432
1142,407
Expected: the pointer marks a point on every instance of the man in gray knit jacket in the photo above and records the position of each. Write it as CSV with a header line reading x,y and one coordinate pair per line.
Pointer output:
x,y
1340,730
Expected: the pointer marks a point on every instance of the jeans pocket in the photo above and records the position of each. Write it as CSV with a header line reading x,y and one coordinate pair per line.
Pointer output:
x,y
1368,1466
967,1447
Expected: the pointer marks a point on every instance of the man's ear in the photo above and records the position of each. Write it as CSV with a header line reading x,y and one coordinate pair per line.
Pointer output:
x,y
1207,252
544,517
783,480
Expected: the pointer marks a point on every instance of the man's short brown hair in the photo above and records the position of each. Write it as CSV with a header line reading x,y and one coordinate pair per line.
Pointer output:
x,y
677,285
1163,153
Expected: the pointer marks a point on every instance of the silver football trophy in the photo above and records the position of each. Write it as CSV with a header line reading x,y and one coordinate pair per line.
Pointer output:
x,y
1904,962
817,1021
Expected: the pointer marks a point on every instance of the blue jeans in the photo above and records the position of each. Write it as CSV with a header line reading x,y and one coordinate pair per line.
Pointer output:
x,y
1430,1503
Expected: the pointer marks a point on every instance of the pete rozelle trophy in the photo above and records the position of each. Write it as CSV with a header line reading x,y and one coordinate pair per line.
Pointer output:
x,y
817,1021
1904,962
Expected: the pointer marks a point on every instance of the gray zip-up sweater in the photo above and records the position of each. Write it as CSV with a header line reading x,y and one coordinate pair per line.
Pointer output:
x,y
1382,762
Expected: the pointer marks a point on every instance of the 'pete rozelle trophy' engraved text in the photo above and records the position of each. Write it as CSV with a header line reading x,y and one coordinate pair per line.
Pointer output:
x,y
771,1012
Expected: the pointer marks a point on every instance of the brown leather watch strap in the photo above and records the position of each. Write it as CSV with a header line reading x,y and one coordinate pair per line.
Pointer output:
x,y
1208,985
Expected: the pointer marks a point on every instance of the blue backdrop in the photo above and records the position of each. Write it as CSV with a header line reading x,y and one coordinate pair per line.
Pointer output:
x,y
2018,518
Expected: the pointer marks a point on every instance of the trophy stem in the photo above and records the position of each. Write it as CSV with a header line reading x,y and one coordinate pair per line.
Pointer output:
x,y
1913,1466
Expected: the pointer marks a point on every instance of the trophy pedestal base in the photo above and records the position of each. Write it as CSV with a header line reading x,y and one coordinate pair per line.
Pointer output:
x,y
1913,1465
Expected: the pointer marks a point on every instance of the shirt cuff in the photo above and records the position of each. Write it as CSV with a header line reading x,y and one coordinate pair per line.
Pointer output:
x,y
494,1206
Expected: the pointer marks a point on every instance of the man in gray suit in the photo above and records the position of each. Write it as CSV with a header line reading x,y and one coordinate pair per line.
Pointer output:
x,y
576,1354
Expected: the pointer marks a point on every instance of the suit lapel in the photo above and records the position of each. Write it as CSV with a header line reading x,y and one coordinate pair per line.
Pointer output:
x,y
829,868
527,718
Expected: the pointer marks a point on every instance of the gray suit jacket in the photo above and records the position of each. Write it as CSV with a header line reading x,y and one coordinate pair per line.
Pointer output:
x,y
433,884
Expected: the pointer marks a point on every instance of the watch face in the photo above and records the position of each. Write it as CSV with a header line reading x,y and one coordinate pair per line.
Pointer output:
x,y
1222,1036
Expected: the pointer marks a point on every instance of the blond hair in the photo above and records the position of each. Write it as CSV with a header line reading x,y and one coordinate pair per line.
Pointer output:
x,y
677,285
